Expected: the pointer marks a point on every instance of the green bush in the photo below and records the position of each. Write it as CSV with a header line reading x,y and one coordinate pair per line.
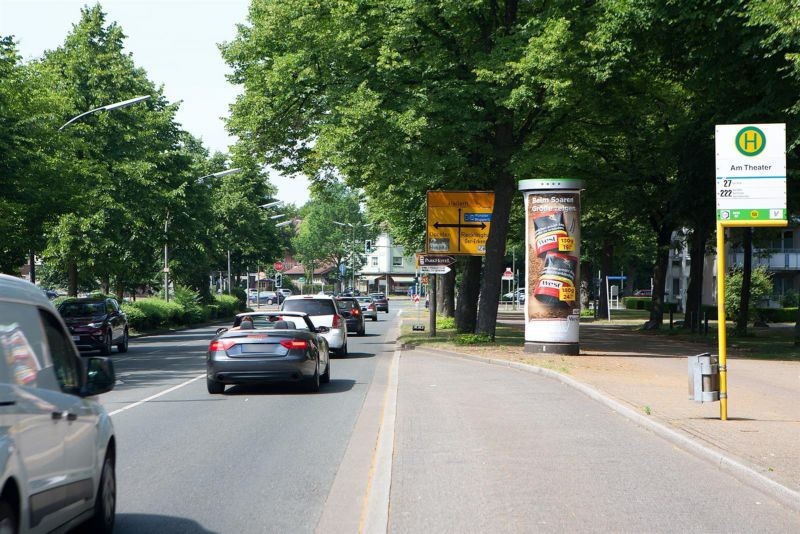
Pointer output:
x,y
760,288
777,315
790,299
445,322
189,300
646,303
228,305
212,311
241,296
137,319
159,312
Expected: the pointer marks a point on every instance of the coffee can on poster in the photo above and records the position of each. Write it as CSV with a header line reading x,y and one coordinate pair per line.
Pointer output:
x,y
552,264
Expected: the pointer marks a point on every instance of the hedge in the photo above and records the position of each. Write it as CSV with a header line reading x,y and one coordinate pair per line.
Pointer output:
x,y
153,313
777,315
646,303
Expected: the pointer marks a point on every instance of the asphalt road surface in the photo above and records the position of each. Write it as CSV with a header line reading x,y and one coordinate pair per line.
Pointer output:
x,y
257,459
407,442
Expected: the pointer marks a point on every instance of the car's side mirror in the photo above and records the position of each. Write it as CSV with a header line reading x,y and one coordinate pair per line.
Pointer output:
x,y
100,376
323,329
221,330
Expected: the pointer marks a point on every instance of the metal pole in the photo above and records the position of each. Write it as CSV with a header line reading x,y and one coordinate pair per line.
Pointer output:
x,y
166,260
432,310
722,334
229,271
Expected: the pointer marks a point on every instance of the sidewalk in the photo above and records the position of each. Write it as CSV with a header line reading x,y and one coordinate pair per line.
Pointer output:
x,y
649,373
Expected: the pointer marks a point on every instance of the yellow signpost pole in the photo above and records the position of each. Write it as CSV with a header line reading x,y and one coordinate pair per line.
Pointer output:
x,y
722,334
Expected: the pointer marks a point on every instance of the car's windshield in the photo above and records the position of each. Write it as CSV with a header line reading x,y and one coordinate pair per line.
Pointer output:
x,y
82,309
310,306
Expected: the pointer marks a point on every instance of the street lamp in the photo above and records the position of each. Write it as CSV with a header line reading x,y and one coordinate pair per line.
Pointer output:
x,y
284,223
277,216
109,107
219,174
270,204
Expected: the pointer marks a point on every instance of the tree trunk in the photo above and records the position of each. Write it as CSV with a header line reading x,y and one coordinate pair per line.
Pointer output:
x,y
119,291
747,271
495,254
446,293
72,273
663,241
467,310
694,293
797,328
32,266
105,284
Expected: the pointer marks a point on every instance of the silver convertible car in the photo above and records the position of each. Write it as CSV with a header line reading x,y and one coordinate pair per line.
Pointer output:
x,y
268,347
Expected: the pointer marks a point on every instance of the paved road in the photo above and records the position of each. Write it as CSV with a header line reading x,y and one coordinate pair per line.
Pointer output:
x,y
259,459
482,448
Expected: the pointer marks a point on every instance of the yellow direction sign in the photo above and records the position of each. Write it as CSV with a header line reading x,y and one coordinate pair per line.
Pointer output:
x,y
458,222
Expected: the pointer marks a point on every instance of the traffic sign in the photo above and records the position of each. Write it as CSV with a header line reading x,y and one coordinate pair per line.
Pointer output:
x,y
507,274
424,280
416,298
436,259
434,269
278,266
459,221
751,173
302,280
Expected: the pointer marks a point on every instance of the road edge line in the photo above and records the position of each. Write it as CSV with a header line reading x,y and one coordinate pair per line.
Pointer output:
x,y
735,468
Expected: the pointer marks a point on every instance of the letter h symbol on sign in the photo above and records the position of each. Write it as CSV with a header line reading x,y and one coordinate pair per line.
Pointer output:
x,y
750,141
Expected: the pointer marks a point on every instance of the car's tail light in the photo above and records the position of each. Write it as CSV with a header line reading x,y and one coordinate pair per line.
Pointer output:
x,y
294,343
371,307
337,321
221,344
356,311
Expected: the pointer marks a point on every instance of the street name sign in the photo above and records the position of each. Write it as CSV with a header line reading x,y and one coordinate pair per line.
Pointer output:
x,y
434,269
751,173
436,259
458,222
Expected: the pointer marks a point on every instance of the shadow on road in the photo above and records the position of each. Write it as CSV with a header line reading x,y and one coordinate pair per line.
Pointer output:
x,y
355,355
157,524
335,386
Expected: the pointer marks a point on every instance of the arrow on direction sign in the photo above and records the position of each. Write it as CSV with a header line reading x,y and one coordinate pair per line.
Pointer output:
x,y
438,225
434,269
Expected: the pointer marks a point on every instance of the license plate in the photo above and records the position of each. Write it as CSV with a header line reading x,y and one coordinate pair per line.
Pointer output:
x,y
76,338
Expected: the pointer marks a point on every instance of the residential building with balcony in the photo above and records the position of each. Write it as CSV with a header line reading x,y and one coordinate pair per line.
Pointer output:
x,y
388,268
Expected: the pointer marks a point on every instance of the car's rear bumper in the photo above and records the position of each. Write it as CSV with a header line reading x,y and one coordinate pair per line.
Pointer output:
x,y
353,325
240,370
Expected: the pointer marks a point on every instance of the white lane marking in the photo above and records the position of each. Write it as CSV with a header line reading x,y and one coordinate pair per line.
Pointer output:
x,y
375,511
400,313
157,395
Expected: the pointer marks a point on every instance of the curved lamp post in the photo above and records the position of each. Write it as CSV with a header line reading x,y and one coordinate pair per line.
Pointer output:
x,y
109,107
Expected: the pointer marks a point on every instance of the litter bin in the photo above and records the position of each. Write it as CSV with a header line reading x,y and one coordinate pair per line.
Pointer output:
x,y
704,378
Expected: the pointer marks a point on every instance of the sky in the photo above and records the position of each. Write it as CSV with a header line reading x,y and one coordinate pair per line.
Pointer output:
x,y
175,41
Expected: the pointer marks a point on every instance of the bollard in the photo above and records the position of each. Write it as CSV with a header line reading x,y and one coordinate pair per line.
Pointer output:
x,y
706,322
670,318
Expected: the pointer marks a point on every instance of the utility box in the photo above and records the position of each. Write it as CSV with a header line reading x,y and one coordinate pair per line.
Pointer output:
x,y
704,378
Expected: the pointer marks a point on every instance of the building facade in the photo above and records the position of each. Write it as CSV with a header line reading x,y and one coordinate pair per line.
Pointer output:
x,y
388,268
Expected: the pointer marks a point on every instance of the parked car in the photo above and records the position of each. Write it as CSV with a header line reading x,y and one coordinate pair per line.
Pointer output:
x,y
322,311
270,297
50,293
518,295
368,308
350,309
643,293
96,323
268,347
286,292
381,302
57,444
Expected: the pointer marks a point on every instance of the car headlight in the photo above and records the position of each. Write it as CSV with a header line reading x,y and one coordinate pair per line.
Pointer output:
x,y
95,325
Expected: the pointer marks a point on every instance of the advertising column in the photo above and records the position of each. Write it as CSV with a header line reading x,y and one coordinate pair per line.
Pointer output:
x,y
552,274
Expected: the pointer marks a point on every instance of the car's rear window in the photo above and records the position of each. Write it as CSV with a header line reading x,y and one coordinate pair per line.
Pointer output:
x,y
346,304
310,306
82,309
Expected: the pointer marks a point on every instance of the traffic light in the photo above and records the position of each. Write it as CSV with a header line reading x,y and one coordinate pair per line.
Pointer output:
x,y
278,279
367,246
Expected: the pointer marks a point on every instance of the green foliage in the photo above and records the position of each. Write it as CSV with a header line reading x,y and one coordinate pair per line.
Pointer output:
x,y
445,323
137,318
190,302
777,315
160,314
760,288
472,339
790,299
646,303
228,305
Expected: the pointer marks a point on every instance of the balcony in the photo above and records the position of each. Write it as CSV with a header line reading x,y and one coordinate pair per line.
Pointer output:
x,y
774,260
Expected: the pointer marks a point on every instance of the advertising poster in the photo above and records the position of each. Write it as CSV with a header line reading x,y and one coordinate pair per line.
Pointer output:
x,y
553,236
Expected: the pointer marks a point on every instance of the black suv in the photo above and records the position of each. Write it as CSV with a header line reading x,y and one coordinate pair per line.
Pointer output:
x,y
96,323
350,309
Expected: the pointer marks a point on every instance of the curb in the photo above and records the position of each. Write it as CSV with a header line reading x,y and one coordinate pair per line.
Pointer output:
x,y
735,468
